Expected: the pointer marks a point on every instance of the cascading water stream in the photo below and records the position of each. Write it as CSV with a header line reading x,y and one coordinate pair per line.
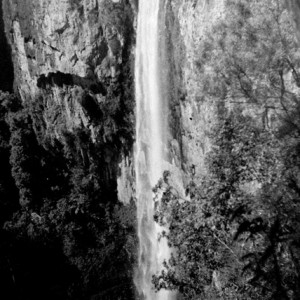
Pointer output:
x,y
149,158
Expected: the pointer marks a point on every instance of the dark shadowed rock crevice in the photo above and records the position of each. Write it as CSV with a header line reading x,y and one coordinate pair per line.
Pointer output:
x,y
59,79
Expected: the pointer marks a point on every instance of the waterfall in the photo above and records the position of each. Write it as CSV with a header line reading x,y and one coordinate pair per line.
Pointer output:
x,y
149,159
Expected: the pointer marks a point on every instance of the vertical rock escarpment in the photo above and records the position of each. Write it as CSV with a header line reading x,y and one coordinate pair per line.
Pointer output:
x,y
73,65
190,115
7,74
73,70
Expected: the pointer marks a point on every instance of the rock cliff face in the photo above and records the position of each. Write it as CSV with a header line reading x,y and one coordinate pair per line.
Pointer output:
x,y
73,65
73,61
191,116
7,77
73,69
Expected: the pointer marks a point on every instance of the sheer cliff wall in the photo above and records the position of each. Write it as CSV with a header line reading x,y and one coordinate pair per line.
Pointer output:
x,y
73,65
191,115
73,61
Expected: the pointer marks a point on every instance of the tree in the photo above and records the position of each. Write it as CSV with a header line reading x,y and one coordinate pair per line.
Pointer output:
x,y
251,58
24,156
236,238
59,242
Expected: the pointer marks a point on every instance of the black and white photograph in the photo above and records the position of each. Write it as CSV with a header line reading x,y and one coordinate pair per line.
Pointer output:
x,y
150,149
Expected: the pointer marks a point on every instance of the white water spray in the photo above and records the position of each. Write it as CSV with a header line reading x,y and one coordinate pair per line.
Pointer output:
x,y
149,158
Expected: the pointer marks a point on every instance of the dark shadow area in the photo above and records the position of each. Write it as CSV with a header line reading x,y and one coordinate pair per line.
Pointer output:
x,y
60,79
31,270
6,65
92,108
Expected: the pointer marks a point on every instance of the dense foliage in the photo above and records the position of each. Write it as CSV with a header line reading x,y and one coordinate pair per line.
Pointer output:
x,y
237,237
64,235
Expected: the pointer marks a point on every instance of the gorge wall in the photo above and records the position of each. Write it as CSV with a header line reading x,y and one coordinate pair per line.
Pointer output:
x,y
73,71
73,62
191,115
73,67
230,113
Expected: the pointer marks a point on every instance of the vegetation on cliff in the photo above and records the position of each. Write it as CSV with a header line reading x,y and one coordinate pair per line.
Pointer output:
x,y
64,235
237,237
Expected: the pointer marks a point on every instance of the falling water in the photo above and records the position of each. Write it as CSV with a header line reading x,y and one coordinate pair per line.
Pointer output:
x,y
150,130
